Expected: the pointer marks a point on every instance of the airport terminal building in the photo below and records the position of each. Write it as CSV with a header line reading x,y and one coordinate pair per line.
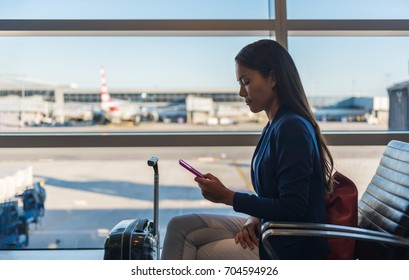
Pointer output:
x,y
34,100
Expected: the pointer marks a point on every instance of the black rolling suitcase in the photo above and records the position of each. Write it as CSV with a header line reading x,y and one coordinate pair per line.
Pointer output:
x,y
136,239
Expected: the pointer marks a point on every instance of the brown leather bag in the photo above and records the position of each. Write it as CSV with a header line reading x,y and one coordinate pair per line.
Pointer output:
x,y
342,209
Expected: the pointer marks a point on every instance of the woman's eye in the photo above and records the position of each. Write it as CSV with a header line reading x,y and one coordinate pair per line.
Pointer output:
x,y
245,82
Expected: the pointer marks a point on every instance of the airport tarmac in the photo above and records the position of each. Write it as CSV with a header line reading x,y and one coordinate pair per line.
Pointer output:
x,y
90,190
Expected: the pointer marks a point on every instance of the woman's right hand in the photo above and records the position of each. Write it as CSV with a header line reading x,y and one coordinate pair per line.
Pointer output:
x,y
248,235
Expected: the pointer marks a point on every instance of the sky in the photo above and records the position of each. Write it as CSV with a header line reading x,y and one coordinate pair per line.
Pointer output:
x,y
337,66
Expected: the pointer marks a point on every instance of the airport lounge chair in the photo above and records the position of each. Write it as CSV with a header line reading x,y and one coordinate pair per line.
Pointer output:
x,y
383,213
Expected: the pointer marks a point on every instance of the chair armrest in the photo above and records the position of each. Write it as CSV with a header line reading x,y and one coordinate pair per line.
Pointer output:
x,y
327,227
327,230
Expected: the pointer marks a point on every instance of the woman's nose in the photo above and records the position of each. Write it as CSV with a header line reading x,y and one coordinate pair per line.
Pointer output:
x,y
242,91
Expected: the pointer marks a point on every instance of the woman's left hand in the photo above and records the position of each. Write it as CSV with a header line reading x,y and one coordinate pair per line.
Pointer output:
x,y
248,235
214,190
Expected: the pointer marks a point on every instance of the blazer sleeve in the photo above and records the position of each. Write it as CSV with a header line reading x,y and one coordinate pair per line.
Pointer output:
x,y
294,155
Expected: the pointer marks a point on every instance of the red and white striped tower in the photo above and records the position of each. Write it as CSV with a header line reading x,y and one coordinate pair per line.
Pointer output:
x,y
105,98
107,104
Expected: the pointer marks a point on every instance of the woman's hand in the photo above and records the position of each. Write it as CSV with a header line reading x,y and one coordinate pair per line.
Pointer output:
x,y
214,190
248,236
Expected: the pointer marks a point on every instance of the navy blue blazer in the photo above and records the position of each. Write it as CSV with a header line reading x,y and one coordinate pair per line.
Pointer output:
x,y
288,178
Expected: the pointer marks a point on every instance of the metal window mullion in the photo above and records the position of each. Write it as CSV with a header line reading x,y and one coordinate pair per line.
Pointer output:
x,y
281,26
281,23
348,27
136,27
203,139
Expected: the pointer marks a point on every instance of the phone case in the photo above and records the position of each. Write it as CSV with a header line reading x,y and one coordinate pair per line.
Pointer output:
x,y
190,168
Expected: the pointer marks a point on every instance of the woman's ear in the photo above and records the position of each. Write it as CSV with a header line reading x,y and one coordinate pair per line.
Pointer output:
x,y
272,79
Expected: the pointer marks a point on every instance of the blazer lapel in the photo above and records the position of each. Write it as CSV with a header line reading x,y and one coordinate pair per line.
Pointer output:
x,y
258,156
252,166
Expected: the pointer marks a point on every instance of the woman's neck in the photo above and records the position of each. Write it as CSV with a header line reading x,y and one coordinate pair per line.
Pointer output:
x,y
272,111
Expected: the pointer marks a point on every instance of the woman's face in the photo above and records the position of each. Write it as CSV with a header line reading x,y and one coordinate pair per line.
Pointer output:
x,y
258,92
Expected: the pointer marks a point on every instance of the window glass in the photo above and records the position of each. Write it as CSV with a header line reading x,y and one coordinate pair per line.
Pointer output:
x,y
153,80
150,83
88,191
347,78
137,9
347,9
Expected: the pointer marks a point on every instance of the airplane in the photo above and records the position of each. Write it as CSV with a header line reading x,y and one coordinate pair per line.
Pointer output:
x,y
173,112
113,110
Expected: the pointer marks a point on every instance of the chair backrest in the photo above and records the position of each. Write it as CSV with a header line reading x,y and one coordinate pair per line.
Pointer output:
x,y
385,204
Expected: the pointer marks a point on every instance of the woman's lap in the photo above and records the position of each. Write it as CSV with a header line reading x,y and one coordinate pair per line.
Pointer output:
x,y
205,236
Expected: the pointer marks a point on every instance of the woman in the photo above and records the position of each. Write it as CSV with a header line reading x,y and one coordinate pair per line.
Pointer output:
x,y
290,170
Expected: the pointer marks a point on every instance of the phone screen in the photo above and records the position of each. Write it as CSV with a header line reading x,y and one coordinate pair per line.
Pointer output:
x,y
190,168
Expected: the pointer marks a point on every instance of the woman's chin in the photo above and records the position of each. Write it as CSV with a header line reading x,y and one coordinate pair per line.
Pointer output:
x,y
254,110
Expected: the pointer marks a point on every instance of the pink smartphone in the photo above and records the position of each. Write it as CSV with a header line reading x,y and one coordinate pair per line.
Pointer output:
x,y
190,168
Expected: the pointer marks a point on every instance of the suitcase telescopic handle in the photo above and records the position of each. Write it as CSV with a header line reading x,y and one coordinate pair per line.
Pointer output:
x,y
153,161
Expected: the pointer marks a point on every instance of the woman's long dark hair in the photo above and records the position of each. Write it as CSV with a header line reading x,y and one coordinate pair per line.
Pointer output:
x,y
269,57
